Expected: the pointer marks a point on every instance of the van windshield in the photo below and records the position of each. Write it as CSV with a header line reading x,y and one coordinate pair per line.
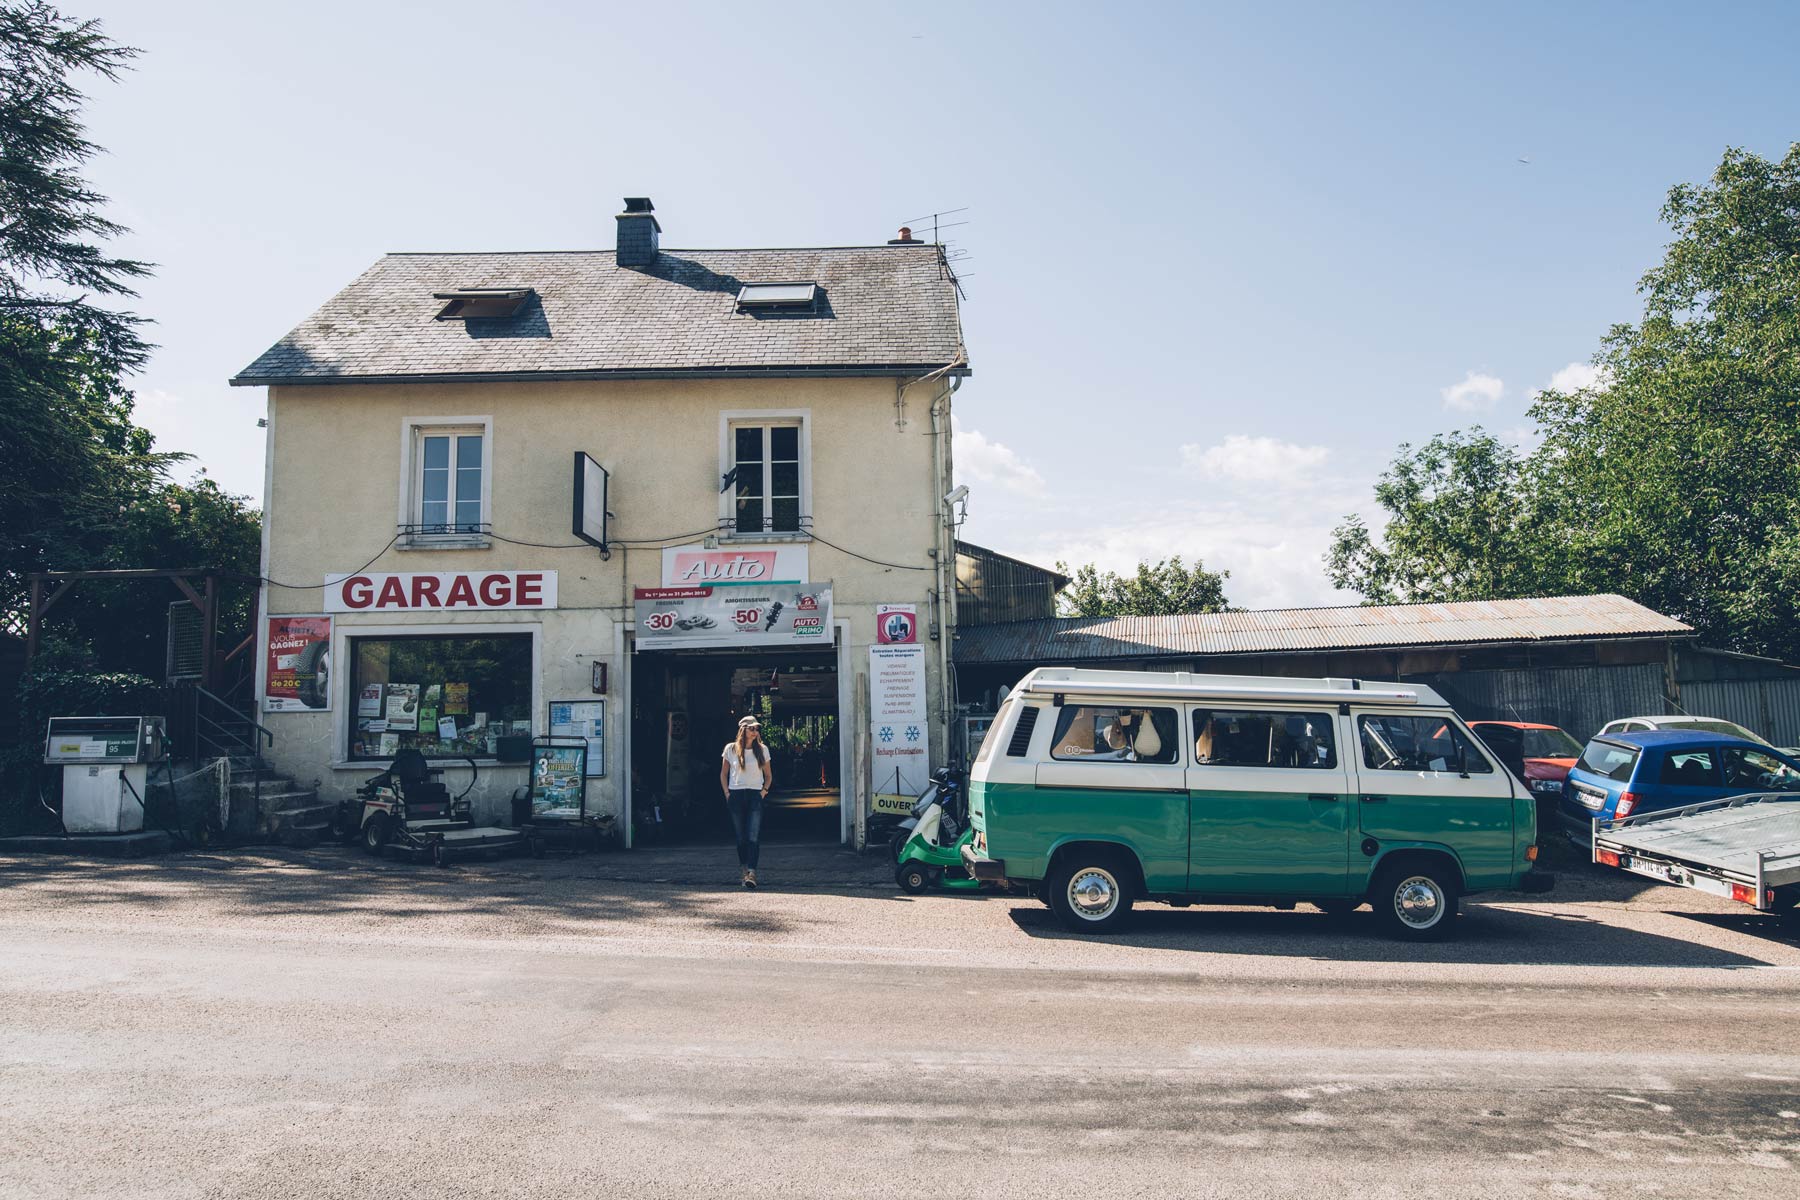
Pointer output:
x,y
1610,759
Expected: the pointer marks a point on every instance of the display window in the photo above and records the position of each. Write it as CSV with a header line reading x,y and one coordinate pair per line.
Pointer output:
x,y
445,696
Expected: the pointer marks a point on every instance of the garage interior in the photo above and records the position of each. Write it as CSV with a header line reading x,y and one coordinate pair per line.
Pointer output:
x,y
685,708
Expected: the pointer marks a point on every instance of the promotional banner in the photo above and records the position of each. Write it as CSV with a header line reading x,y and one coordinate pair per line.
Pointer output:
x,y
695,565
789,614
896,624
899,758
450,591
297,677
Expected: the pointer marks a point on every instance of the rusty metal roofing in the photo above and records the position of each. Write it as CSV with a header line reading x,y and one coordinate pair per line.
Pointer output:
x,y
1312,630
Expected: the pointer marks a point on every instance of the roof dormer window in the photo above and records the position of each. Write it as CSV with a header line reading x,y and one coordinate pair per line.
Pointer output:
x,y
466,303
777,297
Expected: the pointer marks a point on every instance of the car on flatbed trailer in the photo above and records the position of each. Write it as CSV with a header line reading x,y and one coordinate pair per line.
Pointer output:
x,y
1098,789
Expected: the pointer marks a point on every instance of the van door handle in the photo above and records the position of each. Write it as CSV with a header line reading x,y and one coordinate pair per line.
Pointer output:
x,y
1323,797
1374,799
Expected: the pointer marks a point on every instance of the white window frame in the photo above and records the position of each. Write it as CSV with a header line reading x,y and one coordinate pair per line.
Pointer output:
x,y
729,422
413,432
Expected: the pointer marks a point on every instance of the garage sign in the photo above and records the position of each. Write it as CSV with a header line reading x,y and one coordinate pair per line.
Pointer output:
x,y
444,591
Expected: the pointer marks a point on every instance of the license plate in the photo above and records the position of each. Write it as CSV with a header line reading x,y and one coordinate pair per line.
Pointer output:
x,y
1654,870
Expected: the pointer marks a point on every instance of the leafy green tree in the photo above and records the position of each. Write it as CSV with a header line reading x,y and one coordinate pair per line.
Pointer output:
x,y
1153,590
81,485
1457,527
1673,479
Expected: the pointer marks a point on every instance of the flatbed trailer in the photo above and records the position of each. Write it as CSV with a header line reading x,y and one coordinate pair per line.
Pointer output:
x,y
1743,848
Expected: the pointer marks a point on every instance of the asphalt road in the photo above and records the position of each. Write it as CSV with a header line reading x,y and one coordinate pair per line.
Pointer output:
x,y
311,1025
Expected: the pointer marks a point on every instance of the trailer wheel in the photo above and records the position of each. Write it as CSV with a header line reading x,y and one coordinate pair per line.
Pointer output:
x,y
1416,900
375,833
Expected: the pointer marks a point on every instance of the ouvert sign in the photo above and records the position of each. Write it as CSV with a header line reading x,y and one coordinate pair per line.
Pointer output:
x,y
450,591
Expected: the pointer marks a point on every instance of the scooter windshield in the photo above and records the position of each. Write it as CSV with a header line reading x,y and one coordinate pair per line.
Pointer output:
x,y
925,801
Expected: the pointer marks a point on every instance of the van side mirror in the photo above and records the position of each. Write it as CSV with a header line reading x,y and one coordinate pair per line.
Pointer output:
x,y
1462,758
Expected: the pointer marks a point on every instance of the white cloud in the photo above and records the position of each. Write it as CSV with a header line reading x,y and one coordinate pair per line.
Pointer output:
x,y
1476,393
983,460
1579,375
1244,459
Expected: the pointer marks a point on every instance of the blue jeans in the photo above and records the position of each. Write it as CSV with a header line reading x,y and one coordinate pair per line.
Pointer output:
x,y
745,806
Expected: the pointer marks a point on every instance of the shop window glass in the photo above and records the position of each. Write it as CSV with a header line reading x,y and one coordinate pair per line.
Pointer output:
x,y
1395,743
1244,738
1105,733
448,697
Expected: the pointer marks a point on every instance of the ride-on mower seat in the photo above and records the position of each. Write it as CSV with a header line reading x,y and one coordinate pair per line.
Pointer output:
x,y
426,798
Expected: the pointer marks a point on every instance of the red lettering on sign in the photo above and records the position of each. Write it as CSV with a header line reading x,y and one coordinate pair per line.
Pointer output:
x,y
530,590
496,590
461,592
393,594
424,591
358,591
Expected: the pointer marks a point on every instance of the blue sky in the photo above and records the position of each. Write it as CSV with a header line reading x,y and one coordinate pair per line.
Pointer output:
x,y
1222,259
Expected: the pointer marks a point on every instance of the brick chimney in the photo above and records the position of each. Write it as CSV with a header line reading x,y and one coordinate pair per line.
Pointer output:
x,y
637,232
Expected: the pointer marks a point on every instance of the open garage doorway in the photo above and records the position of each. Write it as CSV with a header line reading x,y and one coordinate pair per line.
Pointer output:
x,y
685,708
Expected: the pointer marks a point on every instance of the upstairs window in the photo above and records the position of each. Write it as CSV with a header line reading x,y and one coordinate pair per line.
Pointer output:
x,y
449,482
763,477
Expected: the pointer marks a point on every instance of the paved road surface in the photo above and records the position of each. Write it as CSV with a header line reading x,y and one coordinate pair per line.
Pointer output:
x,y
314,1026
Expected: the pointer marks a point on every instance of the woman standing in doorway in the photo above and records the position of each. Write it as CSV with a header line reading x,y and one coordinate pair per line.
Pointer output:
x,y
744,777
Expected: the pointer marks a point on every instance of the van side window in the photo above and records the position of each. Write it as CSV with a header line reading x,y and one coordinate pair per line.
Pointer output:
x,y
1241,738
1394,743
1102,733
993,730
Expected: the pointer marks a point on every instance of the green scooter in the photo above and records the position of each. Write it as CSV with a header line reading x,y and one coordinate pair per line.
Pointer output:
x,y
932,855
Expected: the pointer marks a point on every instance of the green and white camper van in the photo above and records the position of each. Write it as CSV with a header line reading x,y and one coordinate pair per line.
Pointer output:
x,y
1097,789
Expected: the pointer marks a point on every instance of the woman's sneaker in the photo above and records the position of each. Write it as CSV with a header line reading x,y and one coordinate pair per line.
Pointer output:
x,y
750,878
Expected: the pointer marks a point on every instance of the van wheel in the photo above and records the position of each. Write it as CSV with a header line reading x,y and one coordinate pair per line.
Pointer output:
x,y
1091,892
1415,901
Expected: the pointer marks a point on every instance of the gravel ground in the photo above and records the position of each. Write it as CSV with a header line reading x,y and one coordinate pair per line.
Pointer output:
x,y
318,1024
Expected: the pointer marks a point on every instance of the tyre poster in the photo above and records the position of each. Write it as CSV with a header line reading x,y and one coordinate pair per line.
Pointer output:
x,y
297,676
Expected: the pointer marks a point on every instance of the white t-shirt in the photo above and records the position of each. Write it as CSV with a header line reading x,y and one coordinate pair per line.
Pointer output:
x,y
750,775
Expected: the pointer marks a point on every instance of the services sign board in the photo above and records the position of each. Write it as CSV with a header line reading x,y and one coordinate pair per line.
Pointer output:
x,y
760,566
898,734
297,670
785,614
440,591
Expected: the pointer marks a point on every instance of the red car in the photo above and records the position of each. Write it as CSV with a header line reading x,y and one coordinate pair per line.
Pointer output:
x,y
1541,755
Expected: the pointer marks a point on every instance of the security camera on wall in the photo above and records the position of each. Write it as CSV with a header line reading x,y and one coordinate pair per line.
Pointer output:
x,y
959,496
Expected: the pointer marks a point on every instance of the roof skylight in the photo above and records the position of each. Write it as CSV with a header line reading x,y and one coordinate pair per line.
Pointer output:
x,y
482,302
777,295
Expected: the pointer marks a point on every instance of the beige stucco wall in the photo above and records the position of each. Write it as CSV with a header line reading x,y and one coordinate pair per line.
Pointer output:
x,y
336,456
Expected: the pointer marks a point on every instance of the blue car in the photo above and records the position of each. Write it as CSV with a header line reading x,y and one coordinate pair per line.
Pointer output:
x,y
1620,774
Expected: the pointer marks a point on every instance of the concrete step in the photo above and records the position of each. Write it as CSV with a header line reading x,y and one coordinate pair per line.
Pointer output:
x,y
273,785
313,813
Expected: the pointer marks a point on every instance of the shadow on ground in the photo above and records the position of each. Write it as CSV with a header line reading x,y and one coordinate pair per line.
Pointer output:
x,y
1485,935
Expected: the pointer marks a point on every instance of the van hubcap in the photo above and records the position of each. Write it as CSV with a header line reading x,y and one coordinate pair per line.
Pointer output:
x,y
1419,902
1093,893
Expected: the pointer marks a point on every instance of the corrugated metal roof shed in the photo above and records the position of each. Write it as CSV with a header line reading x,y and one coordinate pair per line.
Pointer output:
x,y
1312,630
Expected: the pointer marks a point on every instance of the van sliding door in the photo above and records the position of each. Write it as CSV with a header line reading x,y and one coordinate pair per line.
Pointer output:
x,y
1269,796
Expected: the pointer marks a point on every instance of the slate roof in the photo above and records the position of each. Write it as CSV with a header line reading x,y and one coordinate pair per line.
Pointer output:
x,y
1547,619
883,310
